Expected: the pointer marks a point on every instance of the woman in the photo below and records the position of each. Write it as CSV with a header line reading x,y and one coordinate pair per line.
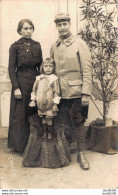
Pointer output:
x,y
25,58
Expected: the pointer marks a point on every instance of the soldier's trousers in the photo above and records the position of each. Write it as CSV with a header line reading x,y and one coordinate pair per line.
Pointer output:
x,y
72,111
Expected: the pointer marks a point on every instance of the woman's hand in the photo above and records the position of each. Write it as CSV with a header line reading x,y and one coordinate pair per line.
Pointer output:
x,y
17,94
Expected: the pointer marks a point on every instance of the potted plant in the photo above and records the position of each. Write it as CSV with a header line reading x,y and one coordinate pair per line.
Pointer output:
x,y
101,36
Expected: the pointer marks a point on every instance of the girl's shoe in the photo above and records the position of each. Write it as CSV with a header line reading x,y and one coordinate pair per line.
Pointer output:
x,y
44,135
49,135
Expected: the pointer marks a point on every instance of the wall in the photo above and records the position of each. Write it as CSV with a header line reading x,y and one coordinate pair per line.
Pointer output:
x,y
42,13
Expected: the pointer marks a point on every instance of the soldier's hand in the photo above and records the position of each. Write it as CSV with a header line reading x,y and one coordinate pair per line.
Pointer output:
x,y
18,94
85,100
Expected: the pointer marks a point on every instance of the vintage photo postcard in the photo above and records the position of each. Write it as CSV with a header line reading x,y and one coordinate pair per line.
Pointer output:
x,y
59,96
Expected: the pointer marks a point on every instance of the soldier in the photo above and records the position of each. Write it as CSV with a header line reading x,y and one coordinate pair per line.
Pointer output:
x,y
74,69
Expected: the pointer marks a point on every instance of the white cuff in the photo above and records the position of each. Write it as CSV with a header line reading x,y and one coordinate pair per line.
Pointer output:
x,y
33,97
56,100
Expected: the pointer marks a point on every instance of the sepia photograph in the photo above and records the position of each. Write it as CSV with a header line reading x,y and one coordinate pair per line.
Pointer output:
x,y
58,96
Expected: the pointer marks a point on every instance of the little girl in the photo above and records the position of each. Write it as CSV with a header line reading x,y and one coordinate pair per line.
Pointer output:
x,y
46,151
45,95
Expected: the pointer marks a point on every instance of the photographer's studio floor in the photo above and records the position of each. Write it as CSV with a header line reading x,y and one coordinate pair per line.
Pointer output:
x,y
103,172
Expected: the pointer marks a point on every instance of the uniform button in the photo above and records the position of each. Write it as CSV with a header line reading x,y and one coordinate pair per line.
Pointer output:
x,y
61,59
61,68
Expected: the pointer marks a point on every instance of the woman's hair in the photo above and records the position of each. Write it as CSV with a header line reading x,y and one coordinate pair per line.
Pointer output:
x,y
47,61
20,24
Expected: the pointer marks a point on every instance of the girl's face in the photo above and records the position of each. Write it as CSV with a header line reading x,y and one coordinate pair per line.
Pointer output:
x,y
26,30
48,68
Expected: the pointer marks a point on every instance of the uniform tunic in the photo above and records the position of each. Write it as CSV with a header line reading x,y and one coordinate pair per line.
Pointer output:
x,y
25,57
74,68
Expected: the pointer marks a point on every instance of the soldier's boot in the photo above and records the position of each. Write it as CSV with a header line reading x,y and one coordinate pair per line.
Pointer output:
x,y
81,147
81,158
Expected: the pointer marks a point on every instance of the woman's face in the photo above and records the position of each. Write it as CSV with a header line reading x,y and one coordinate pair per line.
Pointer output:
x,y
26,30
48,68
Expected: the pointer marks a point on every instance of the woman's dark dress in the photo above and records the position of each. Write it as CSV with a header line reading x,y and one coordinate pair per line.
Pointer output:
x,y
25,58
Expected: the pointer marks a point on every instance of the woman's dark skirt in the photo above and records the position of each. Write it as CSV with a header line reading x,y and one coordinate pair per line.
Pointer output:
x,y
19,129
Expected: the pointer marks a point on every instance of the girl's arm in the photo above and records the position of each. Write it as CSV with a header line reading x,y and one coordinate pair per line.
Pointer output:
x,y
56,95
56,92
33,95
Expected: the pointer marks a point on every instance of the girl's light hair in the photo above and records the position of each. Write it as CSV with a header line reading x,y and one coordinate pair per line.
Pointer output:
x,y
47,61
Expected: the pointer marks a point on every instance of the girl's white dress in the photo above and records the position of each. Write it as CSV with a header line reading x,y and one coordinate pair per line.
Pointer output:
x,y
46,92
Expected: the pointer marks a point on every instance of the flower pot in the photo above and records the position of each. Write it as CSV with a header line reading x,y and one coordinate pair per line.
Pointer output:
x,y
104,139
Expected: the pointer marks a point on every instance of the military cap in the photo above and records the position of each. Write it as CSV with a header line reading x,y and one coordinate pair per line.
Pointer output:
x,y
62,16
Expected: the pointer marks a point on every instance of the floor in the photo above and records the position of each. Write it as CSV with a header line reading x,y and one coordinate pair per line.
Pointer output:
x,y
103,172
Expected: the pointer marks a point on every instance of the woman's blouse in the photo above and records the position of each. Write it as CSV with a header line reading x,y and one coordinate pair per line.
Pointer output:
x,y
23,54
